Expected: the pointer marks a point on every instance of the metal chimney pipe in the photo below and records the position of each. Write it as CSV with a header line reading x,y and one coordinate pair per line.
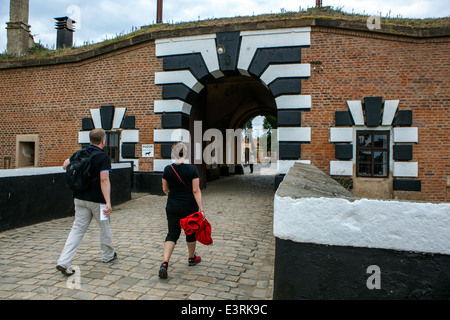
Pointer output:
x,y
159,11
65,29
318,3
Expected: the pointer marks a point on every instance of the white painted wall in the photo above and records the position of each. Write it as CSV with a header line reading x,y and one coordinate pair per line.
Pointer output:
x,y
398,225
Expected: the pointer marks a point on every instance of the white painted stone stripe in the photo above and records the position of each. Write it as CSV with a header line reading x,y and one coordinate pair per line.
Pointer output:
x,y
390,107
118,117
357,112
406,134
205,44
171,135
46,170
135,162
252,40
293,102
341,134
275,71
181,76
368,223
283,166
96,118
175,105
160,164
341,168
294,134
83,137
406,169
130,136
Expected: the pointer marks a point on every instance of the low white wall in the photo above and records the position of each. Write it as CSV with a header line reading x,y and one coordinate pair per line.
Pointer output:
x,y
399,225
47,170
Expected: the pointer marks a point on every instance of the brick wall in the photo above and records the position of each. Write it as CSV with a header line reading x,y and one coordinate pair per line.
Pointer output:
x,y
52,100
361,64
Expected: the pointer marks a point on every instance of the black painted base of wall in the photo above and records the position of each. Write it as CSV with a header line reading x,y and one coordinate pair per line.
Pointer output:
x,y
212,174
148,182
278,179
313,271
26,200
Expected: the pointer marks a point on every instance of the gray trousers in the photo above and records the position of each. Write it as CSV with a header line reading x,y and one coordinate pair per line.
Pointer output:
x,y
84,211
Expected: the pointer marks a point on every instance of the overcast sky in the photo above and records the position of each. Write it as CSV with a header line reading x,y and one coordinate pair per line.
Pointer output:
x,y
101,19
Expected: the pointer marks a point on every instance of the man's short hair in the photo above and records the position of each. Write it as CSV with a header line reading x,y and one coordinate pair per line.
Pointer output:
x,y
96,136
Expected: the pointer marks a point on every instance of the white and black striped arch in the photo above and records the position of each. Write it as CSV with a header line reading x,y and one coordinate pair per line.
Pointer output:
x,y
273,56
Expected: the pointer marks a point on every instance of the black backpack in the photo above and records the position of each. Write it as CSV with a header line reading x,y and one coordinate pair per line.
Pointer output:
x,y
78,172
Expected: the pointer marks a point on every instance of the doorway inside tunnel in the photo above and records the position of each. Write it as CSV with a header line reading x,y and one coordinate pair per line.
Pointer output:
x,y
229,105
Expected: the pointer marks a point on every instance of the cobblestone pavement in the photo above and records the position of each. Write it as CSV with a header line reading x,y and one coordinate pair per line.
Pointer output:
x,y
239,265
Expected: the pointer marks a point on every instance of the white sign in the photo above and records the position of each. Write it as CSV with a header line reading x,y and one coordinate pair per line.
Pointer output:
x,y
147,150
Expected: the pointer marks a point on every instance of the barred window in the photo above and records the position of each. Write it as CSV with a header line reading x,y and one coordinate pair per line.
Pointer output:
x,y
372,148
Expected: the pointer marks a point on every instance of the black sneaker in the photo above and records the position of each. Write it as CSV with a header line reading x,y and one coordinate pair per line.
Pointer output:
x,y
113,258
163,270
65,271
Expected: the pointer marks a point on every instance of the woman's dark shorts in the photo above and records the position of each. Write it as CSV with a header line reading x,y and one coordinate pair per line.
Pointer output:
x,y
174,215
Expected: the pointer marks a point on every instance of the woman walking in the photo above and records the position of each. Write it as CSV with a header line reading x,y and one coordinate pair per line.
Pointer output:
x,y
180,182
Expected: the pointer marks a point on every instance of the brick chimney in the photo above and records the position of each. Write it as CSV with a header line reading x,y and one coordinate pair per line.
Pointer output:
x,y
19,39
64,35
159,11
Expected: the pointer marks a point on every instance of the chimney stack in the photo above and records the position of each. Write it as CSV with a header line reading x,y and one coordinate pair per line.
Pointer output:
x,y
64,35
19,39
159,11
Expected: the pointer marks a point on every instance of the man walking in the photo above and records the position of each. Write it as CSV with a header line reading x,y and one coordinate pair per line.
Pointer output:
x,y
87,205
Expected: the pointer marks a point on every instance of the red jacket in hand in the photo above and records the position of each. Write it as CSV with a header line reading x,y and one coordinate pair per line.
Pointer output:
x,y
201,227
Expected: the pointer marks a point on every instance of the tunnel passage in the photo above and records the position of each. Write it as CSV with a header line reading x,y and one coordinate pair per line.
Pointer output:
x,y
225,79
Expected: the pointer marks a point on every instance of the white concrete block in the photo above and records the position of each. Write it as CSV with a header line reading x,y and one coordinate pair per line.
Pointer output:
x,y
160,164
119,113
171,135
406,134
389,110
293,102
182,76
294,134
130,136
83,137
175,105
356,111
275,71
406,169
341,134
341,168
96,118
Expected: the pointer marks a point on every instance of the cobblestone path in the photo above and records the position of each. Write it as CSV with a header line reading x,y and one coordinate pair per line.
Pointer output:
x,y
239,265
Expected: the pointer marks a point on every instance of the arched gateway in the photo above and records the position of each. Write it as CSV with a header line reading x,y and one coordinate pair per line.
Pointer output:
x,y
224,79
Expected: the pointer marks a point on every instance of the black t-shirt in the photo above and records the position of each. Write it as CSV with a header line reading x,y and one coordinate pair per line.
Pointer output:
x,y
179,194
100,162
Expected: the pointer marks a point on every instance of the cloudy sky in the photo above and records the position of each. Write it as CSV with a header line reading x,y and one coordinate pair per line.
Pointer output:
x,y
101,19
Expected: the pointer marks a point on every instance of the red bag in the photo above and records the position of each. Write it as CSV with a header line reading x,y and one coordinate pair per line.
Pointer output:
x,y
201,227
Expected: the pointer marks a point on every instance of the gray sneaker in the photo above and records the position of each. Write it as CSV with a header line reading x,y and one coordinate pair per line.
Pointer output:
x,y
113,258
